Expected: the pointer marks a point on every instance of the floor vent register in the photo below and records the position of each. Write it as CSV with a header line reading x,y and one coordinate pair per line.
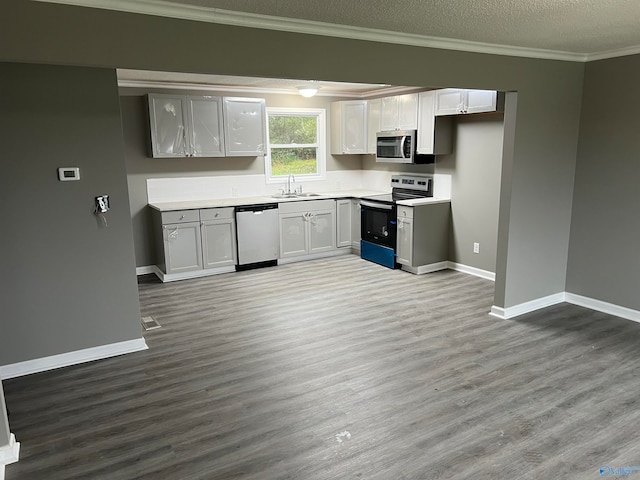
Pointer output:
x,y
150,323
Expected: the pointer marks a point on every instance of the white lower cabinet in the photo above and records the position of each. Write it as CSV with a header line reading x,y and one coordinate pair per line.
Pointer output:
x,y
343,223
183,248
195,242
356,222
218,230
181,244
307,228
422,242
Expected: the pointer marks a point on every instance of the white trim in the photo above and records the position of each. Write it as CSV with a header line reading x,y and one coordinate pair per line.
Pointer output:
x,y
458,267
268,22
574,299
71,358
422,269
246,89
603,307
172,277
619,52
316,256
146,270
9,453
521,309
320,114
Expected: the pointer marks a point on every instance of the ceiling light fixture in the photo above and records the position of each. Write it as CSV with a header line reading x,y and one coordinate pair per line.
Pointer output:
x,y
308,90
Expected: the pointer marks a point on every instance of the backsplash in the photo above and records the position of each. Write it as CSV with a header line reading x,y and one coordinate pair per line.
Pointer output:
x,y
229,186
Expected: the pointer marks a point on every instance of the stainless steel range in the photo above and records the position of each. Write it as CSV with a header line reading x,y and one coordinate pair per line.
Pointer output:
x,y
379,227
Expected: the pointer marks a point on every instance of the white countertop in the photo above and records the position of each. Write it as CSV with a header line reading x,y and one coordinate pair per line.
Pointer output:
x,y
238,201
414,202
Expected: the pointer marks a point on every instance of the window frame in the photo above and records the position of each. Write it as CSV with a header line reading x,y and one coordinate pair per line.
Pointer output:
x,y
321,144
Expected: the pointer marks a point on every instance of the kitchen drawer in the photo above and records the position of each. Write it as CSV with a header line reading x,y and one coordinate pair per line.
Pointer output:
x,y
405,212
306,206
180,216
217,213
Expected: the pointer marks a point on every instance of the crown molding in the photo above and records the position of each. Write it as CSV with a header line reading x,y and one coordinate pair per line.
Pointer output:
x,y
251,20
620,52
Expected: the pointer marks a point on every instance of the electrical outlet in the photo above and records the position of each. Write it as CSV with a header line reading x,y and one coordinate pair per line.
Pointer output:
x,y
476,247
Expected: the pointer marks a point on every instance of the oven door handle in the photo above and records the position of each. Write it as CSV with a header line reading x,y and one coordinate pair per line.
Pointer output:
x,y
382,206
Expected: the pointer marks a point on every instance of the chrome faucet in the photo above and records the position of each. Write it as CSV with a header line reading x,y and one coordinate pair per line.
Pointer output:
x,y
290,179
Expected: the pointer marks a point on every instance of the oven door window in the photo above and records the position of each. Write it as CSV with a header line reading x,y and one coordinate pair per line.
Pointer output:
x,y
379,226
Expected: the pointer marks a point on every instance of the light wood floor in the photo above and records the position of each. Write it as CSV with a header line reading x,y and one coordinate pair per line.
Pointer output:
x,y
339,369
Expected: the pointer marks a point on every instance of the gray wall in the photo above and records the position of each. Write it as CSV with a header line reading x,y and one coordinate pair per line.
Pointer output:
x,y
475,167
70,280
604,262
140,166
533,237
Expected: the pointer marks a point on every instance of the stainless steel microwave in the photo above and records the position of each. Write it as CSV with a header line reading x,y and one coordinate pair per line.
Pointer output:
x,y
396,146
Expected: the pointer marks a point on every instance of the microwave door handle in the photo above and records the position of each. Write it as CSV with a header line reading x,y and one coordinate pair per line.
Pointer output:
x,y
381,206
404,139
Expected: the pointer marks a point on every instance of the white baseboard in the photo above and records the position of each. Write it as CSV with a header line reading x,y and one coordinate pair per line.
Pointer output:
x,y
591,303
315,256
422,269
458,267
603,307
521,309
71,358
9,453
172,277
146,270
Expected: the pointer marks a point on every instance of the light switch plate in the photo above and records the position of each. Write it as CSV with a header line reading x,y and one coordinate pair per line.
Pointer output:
x,y
66,174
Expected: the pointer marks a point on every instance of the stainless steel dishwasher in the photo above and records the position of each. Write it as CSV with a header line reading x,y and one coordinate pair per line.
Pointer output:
x,y
258,235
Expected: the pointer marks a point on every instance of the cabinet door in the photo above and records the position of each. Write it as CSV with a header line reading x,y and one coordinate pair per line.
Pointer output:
x,y
322,231
389,113
354,127
293,235
356,222
404,241
245,127
168,120
373,127
205,126
219,243
450,101
408,112
479,101
343,223
426,123
182,247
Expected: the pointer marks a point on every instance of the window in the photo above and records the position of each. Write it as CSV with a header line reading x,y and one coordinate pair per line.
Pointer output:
x,y
297,144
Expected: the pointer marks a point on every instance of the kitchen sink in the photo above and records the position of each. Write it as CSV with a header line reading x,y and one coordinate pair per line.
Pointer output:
x,y
294,195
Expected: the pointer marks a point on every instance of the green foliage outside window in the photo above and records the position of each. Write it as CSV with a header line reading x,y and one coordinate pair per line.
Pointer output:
x,y
292,139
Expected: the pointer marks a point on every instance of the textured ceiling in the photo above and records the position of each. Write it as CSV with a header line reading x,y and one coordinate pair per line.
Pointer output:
x,y
578,26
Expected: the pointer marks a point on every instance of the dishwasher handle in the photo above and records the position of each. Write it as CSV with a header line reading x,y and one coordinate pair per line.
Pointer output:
x,y
257,208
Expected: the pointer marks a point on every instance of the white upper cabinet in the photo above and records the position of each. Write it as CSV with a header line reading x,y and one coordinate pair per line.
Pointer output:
x,y
186,126
399,112
168,119
435,134
457,101
205,137
349,127
373,124
245,127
